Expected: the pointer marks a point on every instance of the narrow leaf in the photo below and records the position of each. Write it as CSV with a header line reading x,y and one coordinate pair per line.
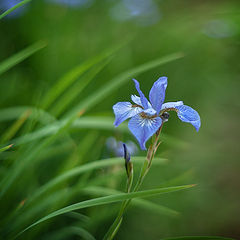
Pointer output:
x,y
77,88
101,123
6,148
118,81
107,200
15,127
102,191
70,77
14,7
83,169
198,238
26,159
12,113
19,57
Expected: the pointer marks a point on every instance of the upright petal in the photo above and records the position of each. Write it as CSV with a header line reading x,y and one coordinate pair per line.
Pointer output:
x,y
144,100
171,104
137,100
187,114
157,93
123,111
144,128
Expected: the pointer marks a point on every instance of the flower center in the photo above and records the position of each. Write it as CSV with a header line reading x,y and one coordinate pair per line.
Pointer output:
x,y
149,114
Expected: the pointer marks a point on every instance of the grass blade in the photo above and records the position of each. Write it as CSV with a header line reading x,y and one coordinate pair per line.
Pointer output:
x,y
77,88
101,123
83,169
198,238
12,113
5,148
106,200
15,127
26,159
14,7
20,56
68,232
118,81
102,191
70,77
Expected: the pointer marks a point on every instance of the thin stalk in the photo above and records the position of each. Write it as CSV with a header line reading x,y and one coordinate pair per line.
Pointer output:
x,y
145,169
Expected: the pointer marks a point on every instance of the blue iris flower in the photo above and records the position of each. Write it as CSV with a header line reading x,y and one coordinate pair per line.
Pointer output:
x,y
147,117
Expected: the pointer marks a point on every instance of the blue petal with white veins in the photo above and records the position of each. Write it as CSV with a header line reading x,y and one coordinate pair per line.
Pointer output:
x,y
143,128
157,93
171,104
123,111
144,100
137,100
187,114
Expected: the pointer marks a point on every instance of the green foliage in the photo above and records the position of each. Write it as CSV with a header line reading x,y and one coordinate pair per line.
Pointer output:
x,y
44,130
108,199
22,55
58,178
198,237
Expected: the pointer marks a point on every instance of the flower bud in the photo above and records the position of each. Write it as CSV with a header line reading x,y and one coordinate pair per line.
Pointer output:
x,y
128,163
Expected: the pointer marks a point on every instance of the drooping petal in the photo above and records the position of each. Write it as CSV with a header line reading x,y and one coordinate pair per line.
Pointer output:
x,y
157,93
144,100
171,104
187,114
144,128
123,111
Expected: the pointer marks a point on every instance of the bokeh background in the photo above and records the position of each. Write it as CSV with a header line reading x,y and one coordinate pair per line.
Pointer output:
x,y
206,34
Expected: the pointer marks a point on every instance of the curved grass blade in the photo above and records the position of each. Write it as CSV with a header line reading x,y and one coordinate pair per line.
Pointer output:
x,y
12,113
118,81
5,148
101,123
70,77
87,122
106,200
50,129
198,238
66,233
26,159
20,56
83,169
78,216
77,88
102,191
10,132
39,209
14,7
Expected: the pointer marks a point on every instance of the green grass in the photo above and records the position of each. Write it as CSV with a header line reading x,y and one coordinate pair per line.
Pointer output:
x,y
58,178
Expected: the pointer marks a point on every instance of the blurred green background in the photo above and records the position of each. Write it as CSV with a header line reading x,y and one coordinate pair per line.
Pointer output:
x,y
206,78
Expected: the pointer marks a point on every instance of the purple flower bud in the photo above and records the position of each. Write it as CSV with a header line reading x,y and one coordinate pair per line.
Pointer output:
x,y
127,156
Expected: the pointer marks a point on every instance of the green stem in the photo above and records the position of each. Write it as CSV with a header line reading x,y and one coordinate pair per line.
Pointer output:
x,y
145,168
14,7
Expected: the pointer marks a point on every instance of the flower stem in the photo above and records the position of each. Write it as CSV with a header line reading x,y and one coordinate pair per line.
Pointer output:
x,y
145,168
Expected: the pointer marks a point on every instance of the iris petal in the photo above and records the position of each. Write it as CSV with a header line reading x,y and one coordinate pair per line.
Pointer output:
x,y
187,114
157,93
144,100
171,104
144,128
137,100
123,111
